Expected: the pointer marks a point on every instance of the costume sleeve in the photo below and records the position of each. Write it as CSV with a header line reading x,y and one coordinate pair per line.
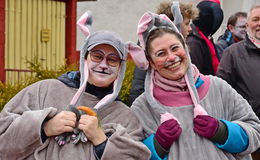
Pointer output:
x,y
237,140
99,149
125,141
149,142
243,121
21,120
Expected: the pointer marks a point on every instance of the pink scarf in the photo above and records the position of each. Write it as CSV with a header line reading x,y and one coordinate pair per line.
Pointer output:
x,y
173,86
215,61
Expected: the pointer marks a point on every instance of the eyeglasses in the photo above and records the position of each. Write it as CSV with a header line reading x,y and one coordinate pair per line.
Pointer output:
x,y
162,55
112,59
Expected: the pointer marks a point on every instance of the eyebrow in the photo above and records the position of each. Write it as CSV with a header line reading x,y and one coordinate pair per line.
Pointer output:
x,y
172,45
115,53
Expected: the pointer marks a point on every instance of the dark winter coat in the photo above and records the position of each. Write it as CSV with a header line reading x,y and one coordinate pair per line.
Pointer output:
x,y
199,52
223,42
239,67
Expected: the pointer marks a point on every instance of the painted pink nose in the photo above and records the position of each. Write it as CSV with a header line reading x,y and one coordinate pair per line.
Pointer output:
x,y
171,57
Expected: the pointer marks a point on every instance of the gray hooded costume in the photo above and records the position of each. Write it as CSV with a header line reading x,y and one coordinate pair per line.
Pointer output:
x,y
215,97
22,118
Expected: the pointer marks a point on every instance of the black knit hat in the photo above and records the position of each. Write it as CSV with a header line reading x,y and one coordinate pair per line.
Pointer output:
x,y
210,17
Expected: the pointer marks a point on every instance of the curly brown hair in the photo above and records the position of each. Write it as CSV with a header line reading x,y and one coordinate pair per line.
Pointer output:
x,y
188,10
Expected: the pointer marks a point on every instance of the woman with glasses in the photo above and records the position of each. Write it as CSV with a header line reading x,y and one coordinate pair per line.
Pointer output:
x,y
52,119
185,114
181,14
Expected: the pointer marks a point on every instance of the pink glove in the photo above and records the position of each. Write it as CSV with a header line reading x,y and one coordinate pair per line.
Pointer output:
x,y
205,126
168,132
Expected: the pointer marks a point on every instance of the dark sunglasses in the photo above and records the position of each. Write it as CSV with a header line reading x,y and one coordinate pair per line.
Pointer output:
x,y
112,59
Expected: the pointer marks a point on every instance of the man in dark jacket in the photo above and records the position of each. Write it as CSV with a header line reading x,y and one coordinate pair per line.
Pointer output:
x,y
240,62
235,32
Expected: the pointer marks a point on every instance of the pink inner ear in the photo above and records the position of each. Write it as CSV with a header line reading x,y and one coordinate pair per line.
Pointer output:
x,y
143,22
142,26
81,24
138,55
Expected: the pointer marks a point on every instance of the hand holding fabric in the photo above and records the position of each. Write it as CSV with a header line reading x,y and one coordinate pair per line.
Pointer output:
x,y
90,126
63,122
205,126
168,132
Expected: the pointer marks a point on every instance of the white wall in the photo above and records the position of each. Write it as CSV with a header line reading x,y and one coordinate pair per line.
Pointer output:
x,y
122,16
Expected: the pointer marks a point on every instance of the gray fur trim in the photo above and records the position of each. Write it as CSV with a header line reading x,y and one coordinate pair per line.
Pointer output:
x,y
157,107
176,12
157,22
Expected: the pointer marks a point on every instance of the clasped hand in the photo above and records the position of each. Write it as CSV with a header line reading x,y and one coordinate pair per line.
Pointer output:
x,y
66,121
168,132
205,126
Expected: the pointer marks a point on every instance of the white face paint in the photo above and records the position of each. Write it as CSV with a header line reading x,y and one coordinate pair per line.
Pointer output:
x,y
101,74
240,28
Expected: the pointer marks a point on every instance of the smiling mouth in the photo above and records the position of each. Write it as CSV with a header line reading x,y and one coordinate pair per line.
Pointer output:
x,y
174,65
102,72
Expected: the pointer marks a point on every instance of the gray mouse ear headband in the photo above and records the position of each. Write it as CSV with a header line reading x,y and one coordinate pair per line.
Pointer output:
x,y
147,23
176,12
151,21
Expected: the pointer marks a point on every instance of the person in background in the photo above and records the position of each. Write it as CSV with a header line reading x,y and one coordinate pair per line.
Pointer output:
x,y
187,13
181,14
239,64
187,115
202,49
43,121
235,32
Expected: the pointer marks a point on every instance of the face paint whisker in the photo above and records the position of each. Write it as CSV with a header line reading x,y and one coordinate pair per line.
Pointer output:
x,y
169,63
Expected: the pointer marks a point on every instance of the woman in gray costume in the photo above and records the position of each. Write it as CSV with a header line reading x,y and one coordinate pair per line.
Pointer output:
x,y
187,115
41,122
